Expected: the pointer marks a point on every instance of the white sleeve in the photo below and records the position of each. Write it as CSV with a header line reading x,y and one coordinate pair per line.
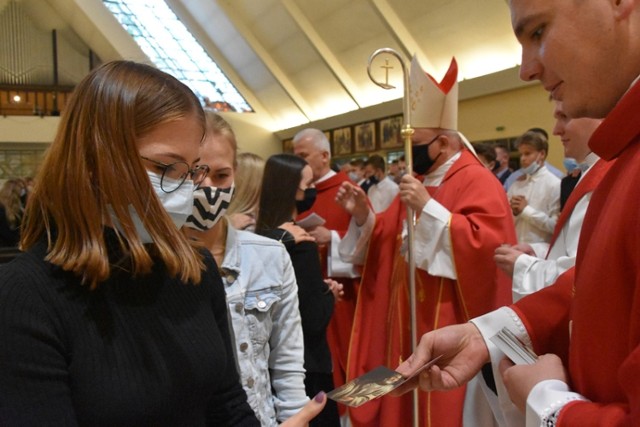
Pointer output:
x,y
433,241
541,249
352,248
546,400
531,274
489,325
336,267
546,218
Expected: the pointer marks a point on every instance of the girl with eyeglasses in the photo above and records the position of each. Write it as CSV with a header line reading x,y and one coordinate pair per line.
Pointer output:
x,y
111,316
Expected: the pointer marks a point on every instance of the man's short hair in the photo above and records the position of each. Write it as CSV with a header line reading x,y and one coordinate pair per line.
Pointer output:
x,y
541,132
377,162
485,150
317,137
534,139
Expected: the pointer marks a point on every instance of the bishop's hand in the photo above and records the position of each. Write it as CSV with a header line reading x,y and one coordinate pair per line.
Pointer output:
x,y
413,193
354,200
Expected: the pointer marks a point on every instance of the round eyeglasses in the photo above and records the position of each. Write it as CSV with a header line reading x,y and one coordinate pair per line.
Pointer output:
x,y
175,174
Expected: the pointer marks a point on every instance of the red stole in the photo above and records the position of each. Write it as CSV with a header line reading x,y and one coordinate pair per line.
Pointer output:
x,y
586,185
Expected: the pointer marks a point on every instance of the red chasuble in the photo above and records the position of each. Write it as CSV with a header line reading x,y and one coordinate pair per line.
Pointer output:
x,y
481,220
601,312
337,219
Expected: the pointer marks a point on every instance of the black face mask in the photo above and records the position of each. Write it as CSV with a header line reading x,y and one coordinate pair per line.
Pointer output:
x,y
422,162
373,180
308,201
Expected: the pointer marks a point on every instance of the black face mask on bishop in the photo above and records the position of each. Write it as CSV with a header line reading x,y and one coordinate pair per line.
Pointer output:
x,y
422,162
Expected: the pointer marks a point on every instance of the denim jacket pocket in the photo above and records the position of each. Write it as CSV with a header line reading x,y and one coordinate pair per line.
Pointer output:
x,y
258,306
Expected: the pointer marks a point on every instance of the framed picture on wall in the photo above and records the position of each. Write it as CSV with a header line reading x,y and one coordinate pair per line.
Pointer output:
x,y
365,137
287,146
391,132
342,141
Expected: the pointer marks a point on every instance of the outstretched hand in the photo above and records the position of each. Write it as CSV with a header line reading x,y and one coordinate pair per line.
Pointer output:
x,y
354,200
464,352
308,412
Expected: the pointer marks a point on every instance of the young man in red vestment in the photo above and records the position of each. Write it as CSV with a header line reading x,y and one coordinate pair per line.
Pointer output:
x,y
538,265
462,216
313,146
585,327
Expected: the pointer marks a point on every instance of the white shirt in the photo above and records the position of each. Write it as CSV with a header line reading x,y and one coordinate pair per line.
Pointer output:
x,y
382,194
538,219
531,274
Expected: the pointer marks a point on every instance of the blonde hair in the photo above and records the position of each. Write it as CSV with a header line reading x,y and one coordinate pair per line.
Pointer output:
x,y
248,181
218,126
10,199
93,167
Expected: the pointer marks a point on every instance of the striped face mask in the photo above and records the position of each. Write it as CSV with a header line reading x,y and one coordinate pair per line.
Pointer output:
x,y
209,205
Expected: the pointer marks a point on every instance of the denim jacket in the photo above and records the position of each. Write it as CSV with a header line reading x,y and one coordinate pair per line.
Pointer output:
x,y
262,297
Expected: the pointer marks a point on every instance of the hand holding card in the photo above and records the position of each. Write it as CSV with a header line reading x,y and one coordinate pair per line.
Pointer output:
x,y
375,383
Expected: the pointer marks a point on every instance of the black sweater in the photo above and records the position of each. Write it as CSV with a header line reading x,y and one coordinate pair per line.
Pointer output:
x,y
151,351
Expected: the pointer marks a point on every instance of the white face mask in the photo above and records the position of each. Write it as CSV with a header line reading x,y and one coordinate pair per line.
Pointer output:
x,y
532,168
209,205
178,204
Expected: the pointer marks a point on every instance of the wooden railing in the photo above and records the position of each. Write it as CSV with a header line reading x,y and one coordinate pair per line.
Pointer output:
x,y
33,100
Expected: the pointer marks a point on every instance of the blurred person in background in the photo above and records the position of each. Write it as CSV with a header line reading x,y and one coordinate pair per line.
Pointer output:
x,y
243,209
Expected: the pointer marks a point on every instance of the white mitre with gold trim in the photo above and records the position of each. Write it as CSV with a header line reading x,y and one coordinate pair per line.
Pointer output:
x,y
433,104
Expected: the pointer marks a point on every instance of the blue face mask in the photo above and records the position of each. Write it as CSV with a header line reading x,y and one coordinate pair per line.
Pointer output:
x,y
570,164
532,168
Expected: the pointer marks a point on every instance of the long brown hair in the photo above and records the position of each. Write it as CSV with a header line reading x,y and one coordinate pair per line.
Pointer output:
x,y
93,168
280,182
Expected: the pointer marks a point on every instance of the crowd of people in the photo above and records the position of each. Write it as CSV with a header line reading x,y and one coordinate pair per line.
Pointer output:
x,y
182,283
